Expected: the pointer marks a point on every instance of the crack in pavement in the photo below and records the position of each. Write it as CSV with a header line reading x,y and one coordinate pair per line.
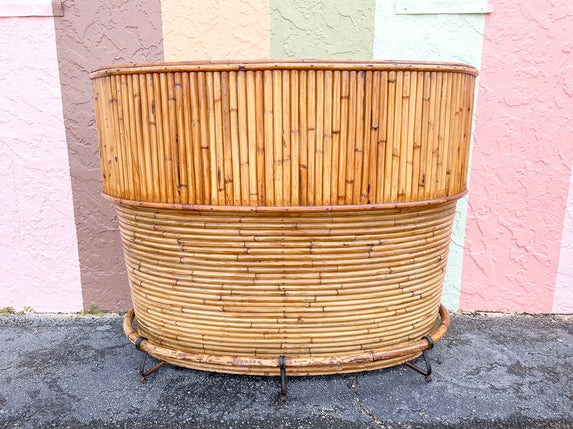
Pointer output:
x,y
361,407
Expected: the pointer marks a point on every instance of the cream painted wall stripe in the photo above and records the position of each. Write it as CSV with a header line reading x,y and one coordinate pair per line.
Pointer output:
x,y
215,29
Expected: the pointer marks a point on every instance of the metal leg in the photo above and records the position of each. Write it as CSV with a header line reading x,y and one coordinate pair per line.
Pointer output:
x,y
428,371
145,373
283,378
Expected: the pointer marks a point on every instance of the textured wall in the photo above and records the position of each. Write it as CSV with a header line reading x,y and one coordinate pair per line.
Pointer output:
x,y
563,298
215,29
522,162
89,35
518,248
38,250
435,37
322,29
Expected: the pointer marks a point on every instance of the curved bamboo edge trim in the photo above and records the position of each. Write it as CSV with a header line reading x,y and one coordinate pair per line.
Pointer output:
x,y
164,353
282,209
133,68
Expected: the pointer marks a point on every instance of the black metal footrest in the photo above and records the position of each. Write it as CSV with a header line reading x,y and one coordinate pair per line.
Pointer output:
x,y
283,378
142,371
428,371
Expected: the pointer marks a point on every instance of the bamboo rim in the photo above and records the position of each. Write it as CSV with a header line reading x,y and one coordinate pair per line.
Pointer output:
x,y
263,365
373,65
285,209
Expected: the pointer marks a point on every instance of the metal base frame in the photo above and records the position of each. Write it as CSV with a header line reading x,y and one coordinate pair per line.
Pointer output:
x,y
282,360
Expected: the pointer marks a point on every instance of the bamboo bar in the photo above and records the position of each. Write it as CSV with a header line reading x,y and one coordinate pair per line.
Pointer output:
x,y
298,209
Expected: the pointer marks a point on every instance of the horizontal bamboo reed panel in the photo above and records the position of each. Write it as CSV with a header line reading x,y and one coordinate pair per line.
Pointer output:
x,y
306,285
289,134
364,360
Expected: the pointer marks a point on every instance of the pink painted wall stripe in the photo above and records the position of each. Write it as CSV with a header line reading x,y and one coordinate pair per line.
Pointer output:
x,y
563,299
38,250
522,158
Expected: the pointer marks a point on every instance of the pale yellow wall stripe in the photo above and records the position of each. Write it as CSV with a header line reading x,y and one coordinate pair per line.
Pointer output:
x,y
215,29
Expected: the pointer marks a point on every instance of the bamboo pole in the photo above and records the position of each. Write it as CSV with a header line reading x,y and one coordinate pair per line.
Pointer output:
x,y
158,176
239,156
327,139
320,136
184,169
412,145
404,140
133,142
135,96
372,155
261,124
192,156
251,106
304,135
285,135
469,118
115,173
102,127
311,136
344,122
200,154
436,80
295,139
168,143
128,154
336,126
368,114
443,134
455,131
269,139
359,139
278,158
229,160
245,151
351,145
148,175
423,138
206,118
382,139
391,137
219,132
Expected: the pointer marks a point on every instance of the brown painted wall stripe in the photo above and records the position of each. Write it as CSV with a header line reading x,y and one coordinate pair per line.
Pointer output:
x,y
89,35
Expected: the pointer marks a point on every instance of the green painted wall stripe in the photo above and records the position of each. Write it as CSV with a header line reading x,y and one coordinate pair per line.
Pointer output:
x,y
320,29
454,37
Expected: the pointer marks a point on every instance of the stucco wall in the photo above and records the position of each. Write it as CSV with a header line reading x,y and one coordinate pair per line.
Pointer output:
x,y
516,252
215,29
322,30
453,37
89,35
563,297
38,249
522,162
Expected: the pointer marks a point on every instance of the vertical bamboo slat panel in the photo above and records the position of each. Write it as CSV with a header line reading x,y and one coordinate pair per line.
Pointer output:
x,y
297,209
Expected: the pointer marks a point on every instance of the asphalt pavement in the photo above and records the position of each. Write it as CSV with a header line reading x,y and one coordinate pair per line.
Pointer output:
x,y
490,371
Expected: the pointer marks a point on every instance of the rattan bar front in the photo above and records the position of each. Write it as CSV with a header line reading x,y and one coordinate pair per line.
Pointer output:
x,y
297,209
